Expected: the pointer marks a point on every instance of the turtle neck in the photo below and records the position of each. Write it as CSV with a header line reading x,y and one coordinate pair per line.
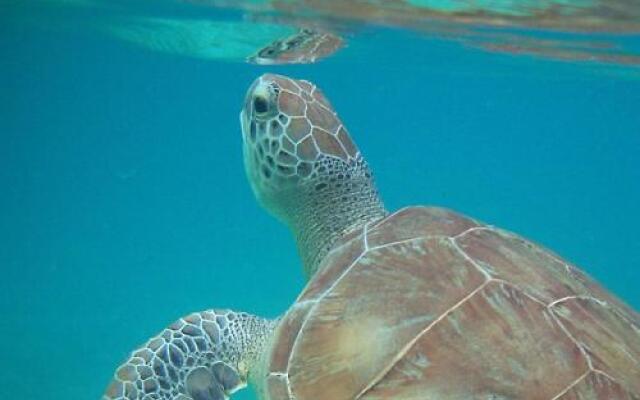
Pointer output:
x,y
341,200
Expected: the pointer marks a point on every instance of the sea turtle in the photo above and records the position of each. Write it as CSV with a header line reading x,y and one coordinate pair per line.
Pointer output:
x,y
422,303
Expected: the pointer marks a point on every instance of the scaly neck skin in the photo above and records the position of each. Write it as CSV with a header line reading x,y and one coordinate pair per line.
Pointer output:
x,y
320,218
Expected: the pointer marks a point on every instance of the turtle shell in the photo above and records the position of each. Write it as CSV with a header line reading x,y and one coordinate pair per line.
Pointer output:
x,y
429,304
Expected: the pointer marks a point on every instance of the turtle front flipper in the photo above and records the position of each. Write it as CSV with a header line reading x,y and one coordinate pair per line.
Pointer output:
x,y
203,356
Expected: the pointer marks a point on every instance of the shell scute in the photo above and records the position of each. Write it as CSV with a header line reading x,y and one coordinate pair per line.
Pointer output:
x,y
497,343
414,222
595,385
595,325
288,331
352,332
539,271
521,262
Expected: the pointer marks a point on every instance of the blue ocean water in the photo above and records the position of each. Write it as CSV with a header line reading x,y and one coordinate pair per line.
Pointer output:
x,y
125,205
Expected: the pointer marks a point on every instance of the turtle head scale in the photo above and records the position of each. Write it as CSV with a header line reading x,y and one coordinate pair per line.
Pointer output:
x,y
303,166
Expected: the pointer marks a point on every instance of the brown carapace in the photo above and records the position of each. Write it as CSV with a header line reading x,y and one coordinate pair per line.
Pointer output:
x,y
429,304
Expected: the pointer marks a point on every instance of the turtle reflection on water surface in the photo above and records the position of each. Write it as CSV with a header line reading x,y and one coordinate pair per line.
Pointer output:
x,y
305,46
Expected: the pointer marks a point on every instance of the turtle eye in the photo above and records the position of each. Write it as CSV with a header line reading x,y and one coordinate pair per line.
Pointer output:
x,y
260,105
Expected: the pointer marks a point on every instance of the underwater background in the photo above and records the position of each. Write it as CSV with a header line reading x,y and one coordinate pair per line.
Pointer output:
x,y
124,200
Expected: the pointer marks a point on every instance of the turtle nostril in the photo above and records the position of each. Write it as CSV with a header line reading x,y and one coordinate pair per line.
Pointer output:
x,y
260,105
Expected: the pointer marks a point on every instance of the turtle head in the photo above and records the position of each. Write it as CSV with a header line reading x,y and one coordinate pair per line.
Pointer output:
x,y
300,160
291,135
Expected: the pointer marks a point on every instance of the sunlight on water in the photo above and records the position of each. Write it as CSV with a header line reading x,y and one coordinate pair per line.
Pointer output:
x,y
199,38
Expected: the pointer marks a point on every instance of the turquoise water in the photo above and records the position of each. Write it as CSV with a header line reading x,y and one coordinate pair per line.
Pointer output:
x,y
124,202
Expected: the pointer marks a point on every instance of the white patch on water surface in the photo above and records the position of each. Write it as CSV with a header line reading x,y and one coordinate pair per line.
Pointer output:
x,y
201,38
519,8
